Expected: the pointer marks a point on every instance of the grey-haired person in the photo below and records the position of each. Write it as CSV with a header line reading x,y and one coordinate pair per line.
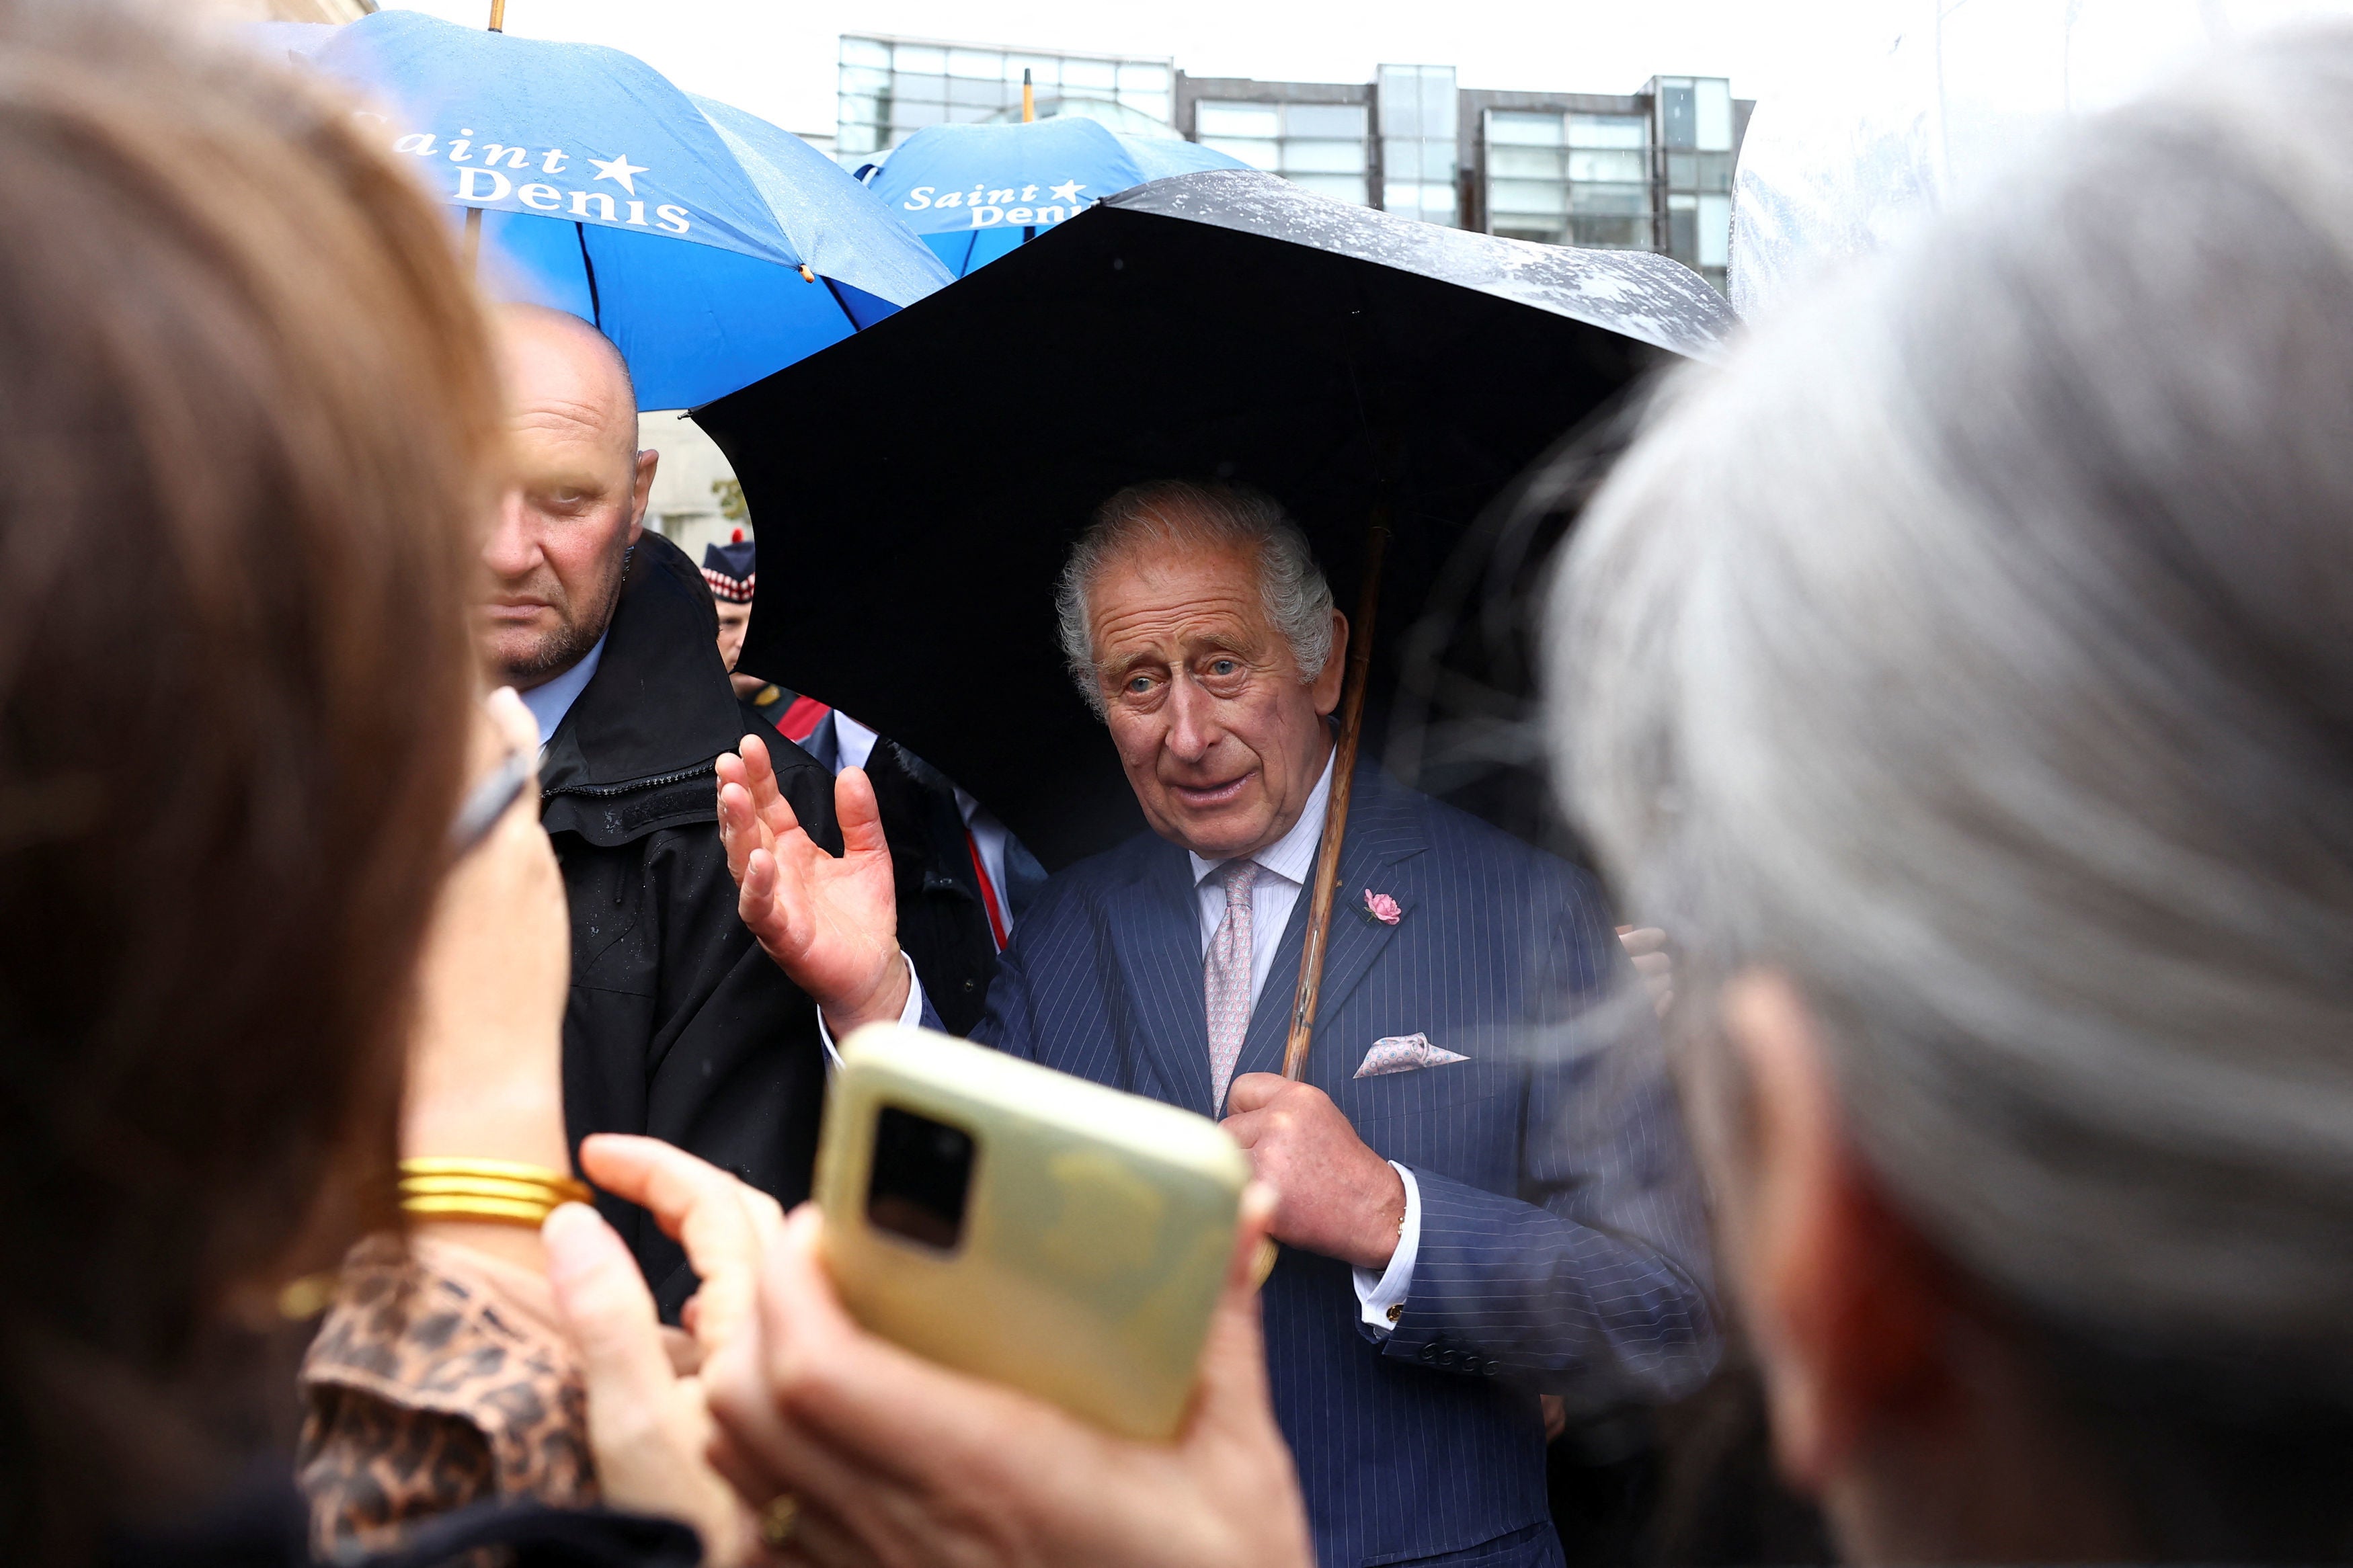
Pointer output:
x,y
1485,1196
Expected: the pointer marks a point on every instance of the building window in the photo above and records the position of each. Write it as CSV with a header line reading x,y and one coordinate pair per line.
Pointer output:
x,y
1318,147
1417,127
1609,182
889,89
1694,129
1527,176
1569,179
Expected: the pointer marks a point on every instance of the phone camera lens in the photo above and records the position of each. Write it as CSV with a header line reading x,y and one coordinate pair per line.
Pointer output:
x,y
921,1178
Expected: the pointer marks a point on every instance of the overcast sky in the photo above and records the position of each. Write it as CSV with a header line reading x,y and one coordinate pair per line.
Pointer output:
x,y
776,58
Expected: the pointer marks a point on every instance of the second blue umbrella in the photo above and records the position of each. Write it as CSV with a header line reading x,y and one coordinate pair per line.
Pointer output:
x,y
975,191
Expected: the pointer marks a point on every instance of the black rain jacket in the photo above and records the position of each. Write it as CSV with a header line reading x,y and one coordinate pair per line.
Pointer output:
x,y
679,1026
943,924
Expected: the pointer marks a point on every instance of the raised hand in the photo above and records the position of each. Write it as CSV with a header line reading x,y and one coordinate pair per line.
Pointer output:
x,y
832,924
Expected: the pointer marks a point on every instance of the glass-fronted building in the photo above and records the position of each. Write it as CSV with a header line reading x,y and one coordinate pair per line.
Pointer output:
x,y
1694,136
1643,171
1419,118
1394,142
1322,144
893,88
1650,171
1567,176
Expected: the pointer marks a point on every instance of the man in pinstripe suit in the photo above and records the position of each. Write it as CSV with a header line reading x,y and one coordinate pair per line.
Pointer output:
x,y
1484,1190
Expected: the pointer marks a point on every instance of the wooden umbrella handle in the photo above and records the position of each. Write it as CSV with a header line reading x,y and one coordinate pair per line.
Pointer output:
x,y
1336,812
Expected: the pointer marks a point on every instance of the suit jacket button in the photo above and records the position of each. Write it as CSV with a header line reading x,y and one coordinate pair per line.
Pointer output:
x,y
1492,1368
1430,1351
1447,1359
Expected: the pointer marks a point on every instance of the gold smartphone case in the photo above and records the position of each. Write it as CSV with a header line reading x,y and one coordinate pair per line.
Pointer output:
x,y
1096,1227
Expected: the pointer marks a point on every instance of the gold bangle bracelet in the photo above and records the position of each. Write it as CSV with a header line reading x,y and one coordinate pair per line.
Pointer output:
x,y
498,1211
488,1187
433,1165
502,1192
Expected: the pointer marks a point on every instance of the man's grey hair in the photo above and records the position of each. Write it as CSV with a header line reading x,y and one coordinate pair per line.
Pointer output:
x,y
1977,649
1184,513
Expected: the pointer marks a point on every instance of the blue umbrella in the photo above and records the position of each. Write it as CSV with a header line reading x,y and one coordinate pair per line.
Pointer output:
x,y
711,247
975,191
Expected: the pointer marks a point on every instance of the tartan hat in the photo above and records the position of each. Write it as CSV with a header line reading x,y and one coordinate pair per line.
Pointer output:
x,y
729,568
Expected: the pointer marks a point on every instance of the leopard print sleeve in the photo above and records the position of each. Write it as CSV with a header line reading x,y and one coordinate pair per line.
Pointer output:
x,y
437,1379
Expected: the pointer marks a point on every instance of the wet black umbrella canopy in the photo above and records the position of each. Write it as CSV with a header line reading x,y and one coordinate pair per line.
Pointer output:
x,y
916,486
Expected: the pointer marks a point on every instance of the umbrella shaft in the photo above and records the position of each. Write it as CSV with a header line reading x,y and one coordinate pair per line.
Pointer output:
x,y
498,15
1336,813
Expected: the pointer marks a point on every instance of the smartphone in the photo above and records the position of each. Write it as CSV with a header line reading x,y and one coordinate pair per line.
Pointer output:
x,y
1025,1226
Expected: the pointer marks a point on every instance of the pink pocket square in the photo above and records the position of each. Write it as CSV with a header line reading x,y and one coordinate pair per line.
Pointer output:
x,y
1404,1053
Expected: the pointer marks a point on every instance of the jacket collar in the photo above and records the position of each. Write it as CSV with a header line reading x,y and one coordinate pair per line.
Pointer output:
x,y
634,754
1160,942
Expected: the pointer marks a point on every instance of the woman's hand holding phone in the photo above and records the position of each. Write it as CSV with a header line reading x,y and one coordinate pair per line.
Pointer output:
x,y
888,1459
649,1421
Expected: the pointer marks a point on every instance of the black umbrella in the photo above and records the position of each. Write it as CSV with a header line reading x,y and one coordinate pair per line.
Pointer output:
x,y
916,486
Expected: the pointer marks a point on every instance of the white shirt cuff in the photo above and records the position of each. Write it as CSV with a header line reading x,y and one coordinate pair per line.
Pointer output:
x,y
912,1015
1381,1297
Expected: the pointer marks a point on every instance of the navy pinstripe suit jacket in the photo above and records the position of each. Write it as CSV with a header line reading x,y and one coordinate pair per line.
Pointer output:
x,y
1563,1247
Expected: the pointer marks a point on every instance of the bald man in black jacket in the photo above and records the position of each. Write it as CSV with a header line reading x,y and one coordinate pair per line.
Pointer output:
x,y
679,1027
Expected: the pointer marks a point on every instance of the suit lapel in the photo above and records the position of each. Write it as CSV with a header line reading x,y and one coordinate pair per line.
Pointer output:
x,y
1156,936
1383,839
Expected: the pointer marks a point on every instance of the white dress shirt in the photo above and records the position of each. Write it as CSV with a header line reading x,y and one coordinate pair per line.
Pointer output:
x,y
550,700
853,743
1286,865
1284,868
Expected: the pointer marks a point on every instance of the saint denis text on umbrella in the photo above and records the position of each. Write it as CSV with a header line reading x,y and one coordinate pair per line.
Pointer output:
x,y
479,176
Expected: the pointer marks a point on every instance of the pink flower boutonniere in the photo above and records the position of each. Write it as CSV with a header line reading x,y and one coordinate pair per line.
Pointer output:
x,y
1382,908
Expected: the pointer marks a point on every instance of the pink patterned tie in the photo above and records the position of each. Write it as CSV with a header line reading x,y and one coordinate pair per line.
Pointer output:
x,y
1227,970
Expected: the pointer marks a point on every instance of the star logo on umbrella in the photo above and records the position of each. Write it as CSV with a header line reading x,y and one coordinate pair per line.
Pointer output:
x,y
620,169
1067,192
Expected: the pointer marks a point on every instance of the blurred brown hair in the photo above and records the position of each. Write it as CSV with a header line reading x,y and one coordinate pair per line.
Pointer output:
x,y
245,404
